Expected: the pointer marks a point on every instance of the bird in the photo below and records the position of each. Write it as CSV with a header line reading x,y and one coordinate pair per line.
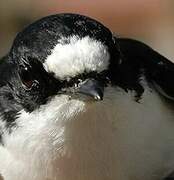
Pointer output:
x,y
78,102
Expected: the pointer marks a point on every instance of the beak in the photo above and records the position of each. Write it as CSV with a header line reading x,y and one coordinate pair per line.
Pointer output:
x,y
92,88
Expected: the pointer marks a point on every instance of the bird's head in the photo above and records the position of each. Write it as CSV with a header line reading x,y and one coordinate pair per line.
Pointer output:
x,y
61,56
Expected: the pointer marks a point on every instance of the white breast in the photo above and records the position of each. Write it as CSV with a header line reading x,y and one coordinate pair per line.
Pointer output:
x,y
115,139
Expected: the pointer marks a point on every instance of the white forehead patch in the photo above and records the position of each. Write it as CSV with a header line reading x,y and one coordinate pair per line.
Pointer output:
x,y
76,57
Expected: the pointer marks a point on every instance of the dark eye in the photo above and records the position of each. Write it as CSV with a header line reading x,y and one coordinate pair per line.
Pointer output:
x,y
26,77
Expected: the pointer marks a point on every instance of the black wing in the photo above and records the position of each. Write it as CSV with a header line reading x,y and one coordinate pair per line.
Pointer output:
x,y
170,177
5,70
160,69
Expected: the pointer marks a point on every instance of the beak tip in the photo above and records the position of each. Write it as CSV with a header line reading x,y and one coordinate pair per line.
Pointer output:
x,y
92,88
98,98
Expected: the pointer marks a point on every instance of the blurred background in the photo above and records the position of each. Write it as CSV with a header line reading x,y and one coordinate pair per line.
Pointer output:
x,y
151,21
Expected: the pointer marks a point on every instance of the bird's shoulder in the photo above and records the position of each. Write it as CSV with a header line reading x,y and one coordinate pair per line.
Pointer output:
x,y
5,70
157,68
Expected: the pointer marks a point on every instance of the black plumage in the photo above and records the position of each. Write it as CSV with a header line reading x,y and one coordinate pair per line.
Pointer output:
x,y
26,85
129,60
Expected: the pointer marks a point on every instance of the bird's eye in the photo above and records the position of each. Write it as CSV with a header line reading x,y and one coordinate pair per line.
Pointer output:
x,y
26,77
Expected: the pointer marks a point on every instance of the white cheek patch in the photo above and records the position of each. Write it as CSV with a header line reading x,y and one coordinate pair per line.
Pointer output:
x,y
76,57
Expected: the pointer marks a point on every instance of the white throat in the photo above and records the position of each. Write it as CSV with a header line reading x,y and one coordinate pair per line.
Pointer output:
x,y
116,138
76,57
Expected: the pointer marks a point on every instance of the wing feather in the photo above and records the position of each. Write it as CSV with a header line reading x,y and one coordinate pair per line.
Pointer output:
x,y
159,70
